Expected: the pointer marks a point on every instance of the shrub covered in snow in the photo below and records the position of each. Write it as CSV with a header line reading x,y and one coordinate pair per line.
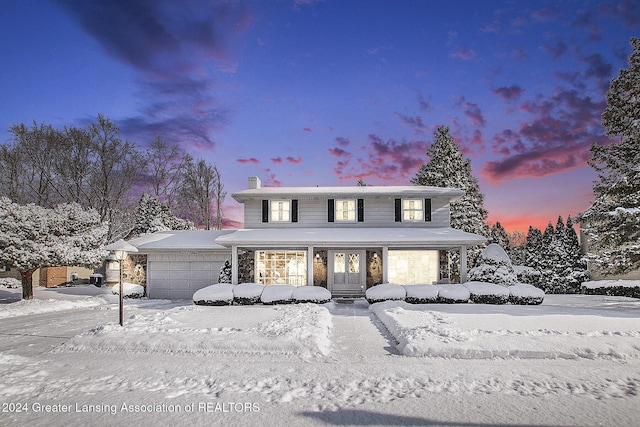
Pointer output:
x,y
452,294
421,294
385,292
494,267
277,294
525,294
529,275
623,288
10,282
247,293
219,294
487,293
315,294
131,290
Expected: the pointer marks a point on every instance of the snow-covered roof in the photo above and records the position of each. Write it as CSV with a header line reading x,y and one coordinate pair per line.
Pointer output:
x,y
440,238
354,191
179,240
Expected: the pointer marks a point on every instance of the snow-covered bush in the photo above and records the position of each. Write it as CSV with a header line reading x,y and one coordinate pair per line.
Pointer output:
x,y
219,294
10,282
247,293
622,288
315,294
277,294
421,294
487,293
529,275
131,290
225,273
494,266
525,294
453,294
385,292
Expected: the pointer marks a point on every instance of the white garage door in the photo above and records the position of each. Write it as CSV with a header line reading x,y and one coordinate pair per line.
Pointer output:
x,y
178,275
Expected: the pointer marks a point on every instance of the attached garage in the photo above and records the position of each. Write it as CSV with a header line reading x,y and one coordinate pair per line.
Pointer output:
x,y
181,262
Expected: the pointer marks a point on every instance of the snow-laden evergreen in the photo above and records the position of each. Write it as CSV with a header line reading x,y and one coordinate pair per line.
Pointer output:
x,y
612,223
494,266
225,272
32,237
151,215
448,168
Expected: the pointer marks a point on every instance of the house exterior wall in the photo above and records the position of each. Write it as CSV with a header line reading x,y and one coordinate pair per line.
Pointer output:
x,y
378,212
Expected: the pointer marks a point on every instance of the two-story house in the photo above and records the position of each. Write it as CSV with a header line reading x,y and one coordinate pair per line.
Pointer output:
x,y
345,238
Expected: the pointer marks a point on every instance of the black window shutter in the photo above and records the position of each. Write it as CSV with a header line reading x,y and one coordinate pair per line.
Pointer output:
x,y
398,210
265,211
360,210
294,210
427,210
331,210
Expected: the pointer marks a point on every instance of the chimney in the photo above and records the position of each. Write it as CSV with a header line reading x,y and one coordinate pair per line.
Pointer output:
x,y
254,183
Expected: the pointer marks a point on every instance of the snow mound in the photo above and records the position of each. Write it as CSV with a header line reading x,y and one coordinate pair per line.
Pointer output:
x,y
277,294
451,294
421,294
218,294
495,253
385,292
316,294
38,306
525,294
131,290
10,282
487,293
300,330
247,293
481,334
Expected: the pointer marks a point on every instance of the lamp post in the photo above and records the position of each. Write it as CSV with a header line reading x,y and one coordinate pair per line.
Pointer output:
x,y
120,250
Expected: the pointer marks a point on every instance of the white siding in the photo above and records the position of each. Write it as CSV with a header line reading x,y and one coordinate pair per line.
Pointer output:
x,y
378,212
177,275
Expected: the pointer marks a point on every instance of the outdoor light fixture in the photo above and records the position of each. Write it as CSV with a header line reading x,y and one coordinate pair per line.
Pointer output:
x,y
375,255
120,250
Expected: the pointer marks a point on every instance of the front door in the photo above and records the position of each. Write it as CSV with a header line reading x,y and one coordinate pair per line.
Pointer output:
x,y
347,274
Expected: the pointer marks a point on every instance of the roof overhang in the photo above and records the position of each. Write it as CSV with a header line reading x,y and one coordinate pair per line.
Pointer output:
x,y
179,241
433,238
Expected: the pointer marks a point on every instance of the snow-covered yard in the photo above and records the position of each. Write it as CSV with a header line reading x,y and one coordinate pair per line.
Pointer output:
x,y
574,360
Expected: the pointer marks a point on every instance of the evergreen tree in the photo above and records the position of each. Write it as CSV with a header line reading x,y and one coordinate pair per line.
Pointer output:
x,y
447,168
151,215
225,273
500,236
612,223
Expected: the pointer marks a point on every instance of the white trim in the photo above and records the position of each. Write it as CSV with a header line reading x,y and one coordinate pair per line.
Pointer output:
x,y
234,265
385,264
463,264
310,266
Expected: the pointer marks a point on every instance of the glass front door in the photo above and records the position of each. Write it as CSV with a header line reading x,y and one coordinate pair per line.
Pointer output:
x,y
347,273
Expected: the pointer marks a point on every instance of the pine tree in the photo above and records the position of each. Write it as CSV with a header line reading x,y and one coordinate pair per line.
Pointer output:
x,y
225,273
612,223
500,236
447,168
151,215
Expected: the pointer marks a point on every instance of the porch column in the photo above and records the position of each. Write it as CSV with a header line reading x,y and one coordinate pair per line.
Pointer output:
x,y
463,264
385,264
234,265
310,266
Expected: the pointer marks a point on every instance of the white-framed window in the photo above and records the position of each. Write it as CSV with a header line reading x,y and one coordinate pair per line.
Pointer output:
x,y
345,210
413,267
280,210
281,267
412,210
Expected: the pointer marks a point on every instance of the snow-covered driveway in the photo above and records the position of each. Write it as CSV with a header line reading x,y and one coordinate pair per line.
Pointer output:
x,y
175,363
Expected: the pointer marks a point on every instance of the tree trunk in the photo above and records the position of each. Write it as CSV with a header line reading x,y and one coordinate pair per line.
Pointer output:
x,y
27,284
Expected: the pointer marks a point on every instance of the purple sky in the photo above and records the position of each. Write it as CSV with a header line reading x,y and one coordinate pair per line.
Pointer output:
x,y
325,92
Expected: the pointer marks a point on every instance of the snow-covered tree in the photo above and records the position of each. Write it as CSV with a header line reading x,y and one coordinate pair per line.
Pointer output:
x,y
500,236
225,273
32,237
494,266
200,187
448,168
612,223
151,215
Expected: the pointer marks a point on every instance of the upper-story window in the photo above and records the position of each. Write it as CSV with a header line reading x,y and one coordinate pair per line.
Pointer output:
x,y
280,210
412,210
408,210
345,210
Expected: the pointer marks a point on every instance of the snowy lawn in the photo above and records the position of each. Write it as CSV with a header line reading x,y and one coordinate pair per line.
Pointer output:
x,y
574,360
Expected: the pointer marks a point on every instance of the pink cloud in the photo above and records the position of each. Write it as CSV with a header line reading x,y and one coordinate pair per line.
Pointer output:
x,y
294,161
249,160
